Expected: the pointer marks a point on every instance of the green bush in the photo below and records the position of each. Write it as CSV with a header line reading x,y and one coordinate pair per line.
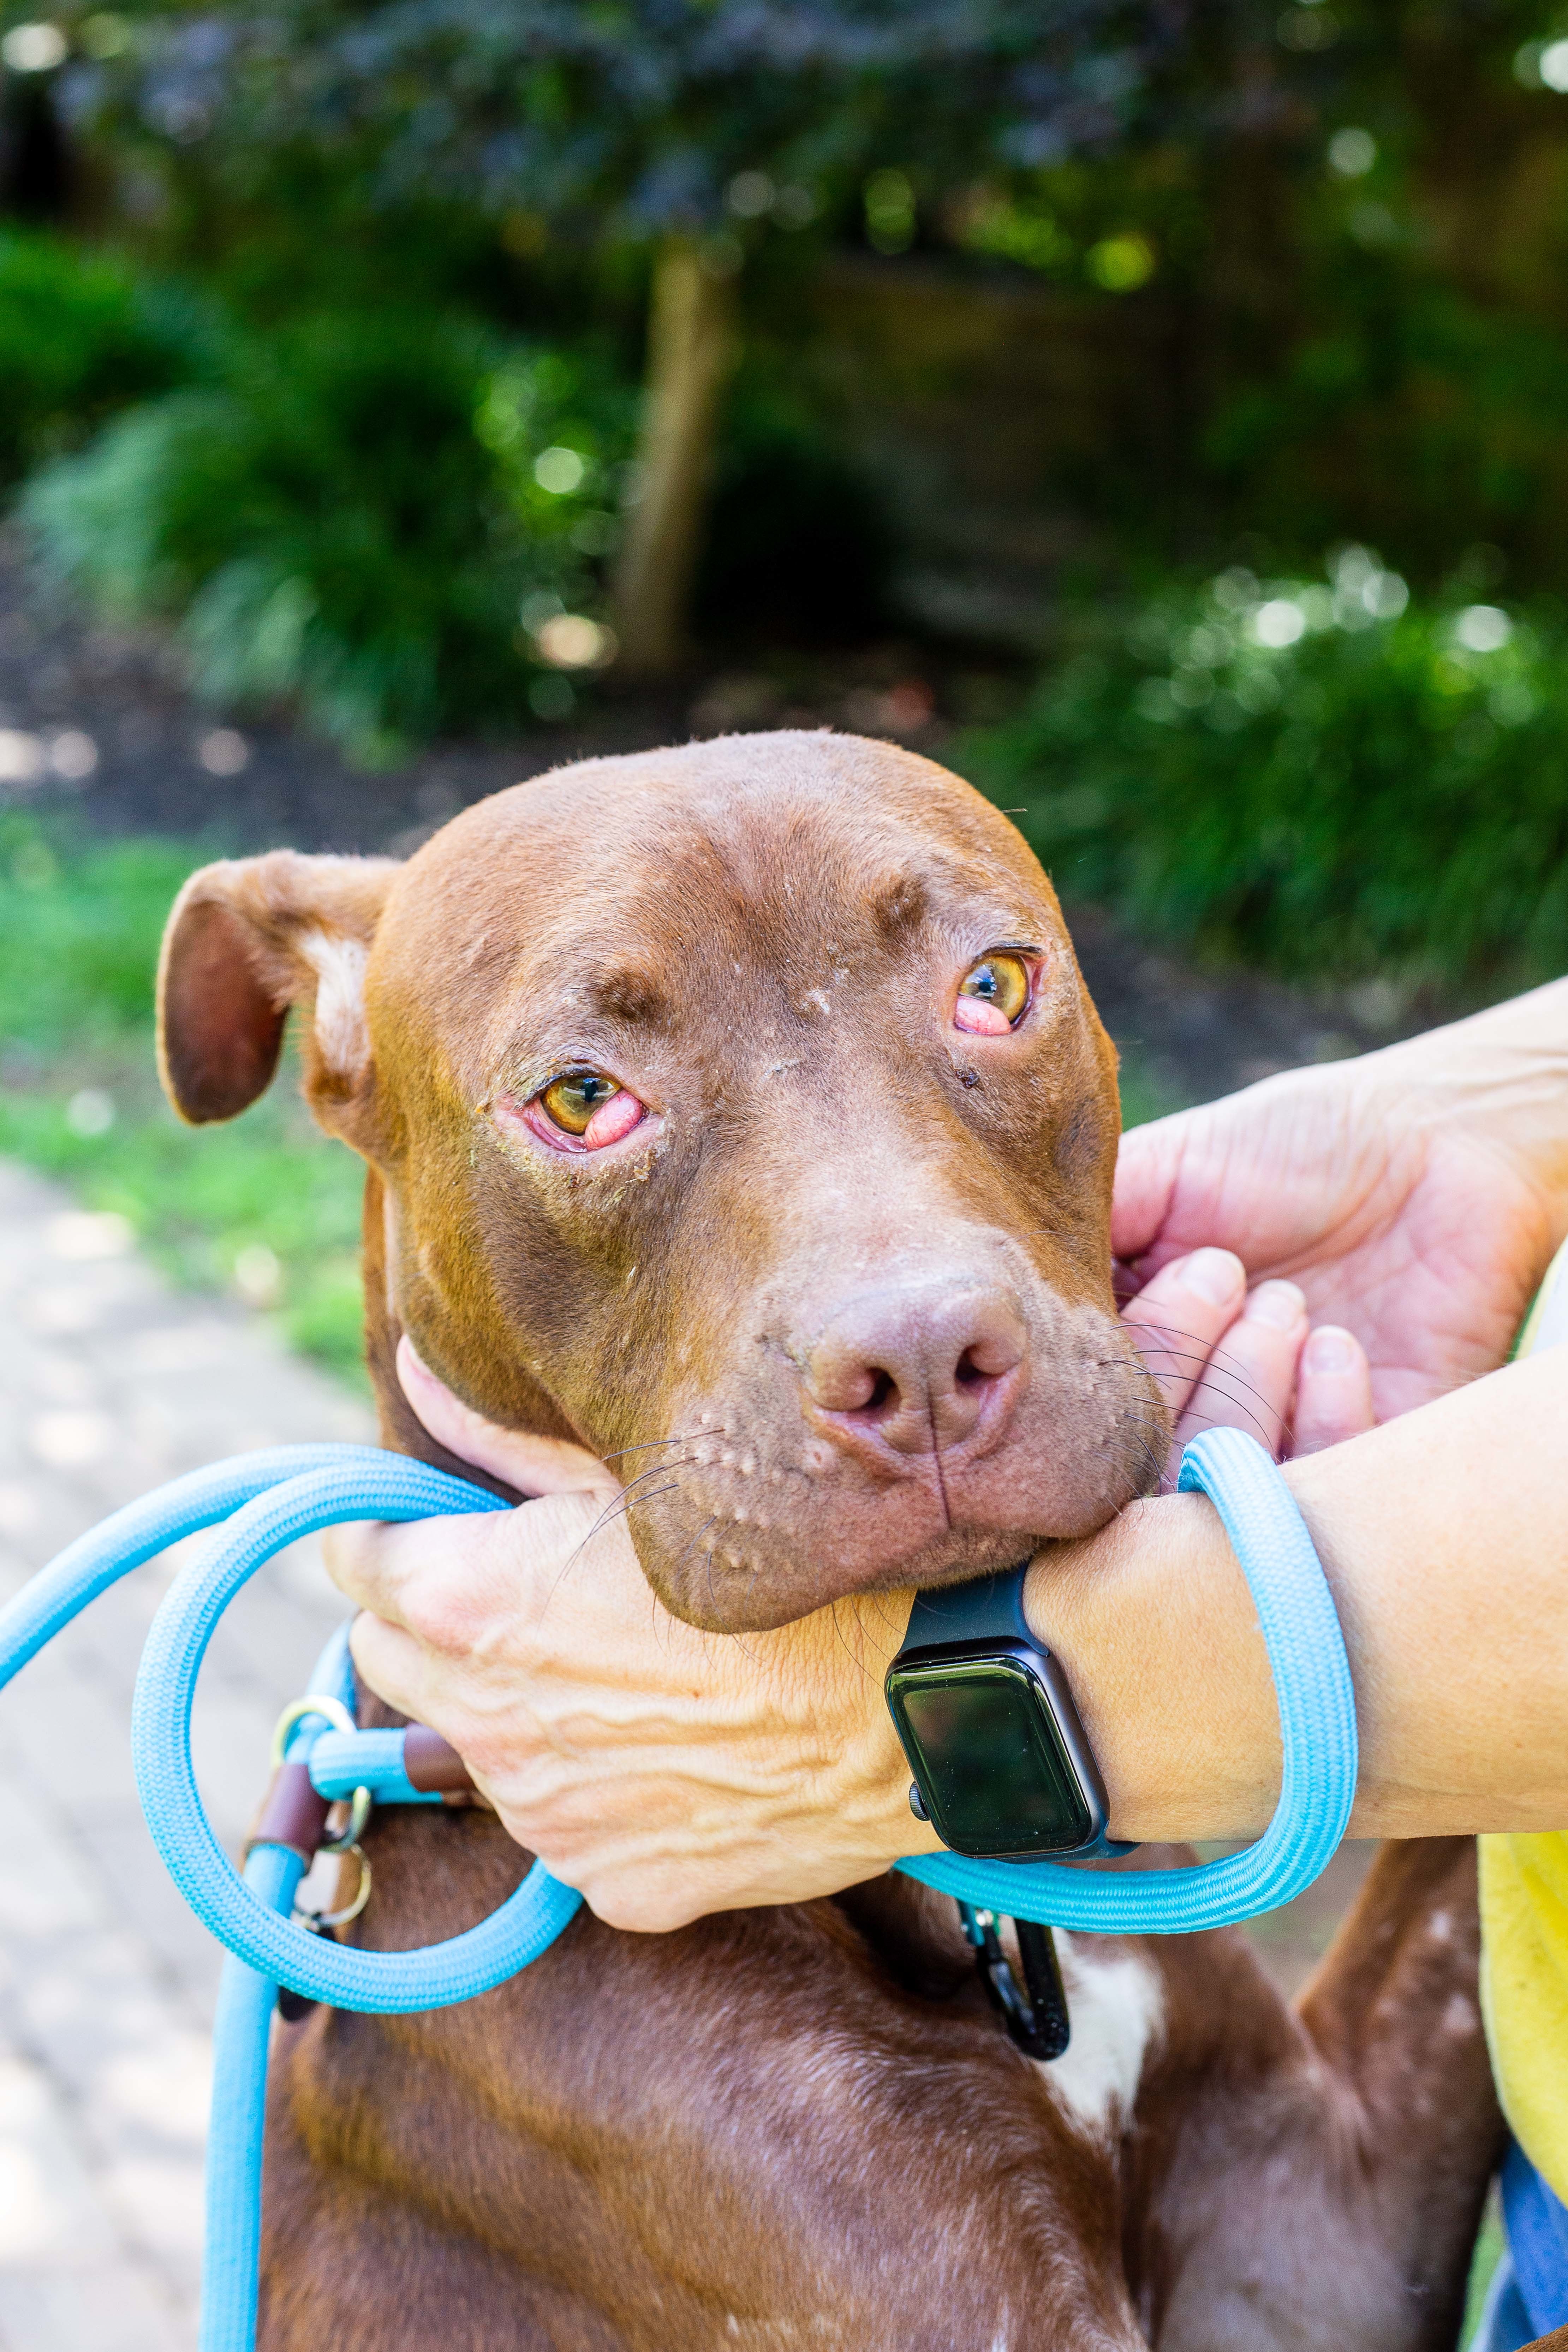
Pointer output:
x,y
1326,777
80,336
366,516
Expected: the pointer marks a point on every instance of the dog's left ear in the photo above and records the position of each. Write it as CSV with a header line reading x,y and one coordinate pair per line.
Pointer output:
x,y
248,940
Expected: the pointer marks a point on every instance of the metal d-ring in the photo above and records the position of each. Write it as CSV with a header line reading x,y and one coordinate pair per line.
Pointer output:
x,y
348,1838
334,1712
318,1920
313,1703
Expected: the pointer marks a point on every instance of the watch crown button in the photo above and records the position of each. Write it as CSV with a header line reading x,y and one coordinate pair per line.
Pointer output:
x,y
917,1802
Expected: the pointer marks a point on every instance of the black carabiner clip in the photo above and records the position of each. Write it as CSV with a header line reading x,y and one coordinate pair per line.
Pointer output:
x,y
1036,2012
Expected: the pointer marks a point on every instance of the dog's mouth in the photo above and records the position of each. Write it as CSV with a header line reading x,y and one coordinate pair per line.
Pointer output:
x,y
739,1533
740,1580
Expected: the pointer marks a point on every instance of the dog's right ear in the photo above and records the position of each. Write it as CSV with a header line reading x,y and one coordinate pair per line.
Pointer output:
x,y
246,941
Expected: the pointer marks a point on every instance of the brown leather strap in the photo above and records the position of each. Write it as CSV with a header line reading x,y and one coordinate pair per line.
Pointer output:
x,y
431,1765
291,1814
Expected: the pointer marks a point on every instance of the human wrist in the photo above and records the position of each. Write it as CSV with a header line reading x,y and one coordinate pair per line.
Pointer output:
x,y
1153,1625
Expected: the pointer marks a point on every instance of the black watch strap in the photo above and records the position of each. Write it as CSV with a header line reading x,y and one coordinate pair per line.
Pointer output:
x,y
990,1609
987,1609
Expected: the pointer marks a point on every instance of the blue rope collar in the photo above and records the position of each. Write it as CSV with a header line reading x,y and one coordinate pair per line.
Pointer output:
x,y
259,1503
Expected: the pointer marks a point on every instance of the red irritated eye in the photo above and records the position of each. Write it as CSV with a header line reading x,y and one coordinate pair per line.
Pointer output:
x,y
993,996
583,1111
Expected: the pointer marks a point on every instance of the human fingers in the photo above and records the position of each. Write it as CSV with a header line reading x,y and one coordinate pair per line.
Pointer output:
x,y
389,1662
365,1557
1248,1379
1283,1173
1333,1391
446,1580
534,1465
1177,1317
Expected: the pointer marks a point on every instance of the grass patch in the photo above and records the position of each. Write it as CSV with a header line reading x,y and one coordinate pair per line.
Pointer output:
x,y
266,1208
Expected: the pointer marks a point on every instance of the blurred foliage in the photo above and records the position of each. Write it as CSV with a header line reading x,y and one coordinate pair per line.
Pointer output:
x,y
637,118
1348,244
266,1205
78,937
1328,777
372,515
1343,223
81,335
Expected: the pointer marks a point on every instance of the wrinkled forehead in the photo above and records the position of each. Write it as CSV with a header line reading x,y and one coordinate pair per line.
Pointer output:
x,y
616,883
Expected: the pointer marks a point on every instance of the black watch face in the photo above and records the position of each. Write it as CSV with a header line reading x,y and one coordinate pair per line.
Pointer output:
x,y
991,1765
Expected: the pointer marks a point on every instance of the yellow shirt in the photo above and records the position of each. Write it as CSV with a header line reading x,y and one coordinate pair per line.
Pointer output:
x,y
1524,1921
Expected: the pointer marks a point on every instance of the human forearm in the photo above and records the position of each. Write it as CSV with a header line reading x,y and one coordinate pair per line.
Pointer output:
x,y
1441,1537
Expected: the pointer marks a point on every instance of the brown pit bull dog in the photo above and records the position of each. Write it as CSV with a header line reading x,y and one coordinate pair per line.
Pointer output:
x,y
744,1102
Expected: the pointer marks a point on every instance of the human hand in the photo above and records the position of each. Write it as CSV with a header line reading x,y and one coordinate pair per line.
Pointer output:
x,y
665,1772
1414,1195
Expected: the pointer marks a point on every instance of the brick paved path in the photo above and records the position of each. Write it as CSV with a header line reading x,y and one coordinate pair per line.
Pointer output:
x,y
109,1383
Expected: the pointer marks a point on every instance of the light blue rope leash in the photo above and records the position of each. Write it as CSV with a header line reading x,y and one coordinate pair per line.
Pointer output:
x,y
389,1486
269,1500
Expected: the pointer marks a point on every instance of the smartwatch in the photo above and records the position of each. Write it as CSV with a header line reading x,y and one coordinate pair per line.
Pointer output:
x,y
1001,1769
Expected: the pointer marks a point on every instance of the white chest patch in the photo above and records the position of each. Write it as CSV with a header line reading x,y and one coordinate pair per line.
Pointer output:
x,y
1117,2009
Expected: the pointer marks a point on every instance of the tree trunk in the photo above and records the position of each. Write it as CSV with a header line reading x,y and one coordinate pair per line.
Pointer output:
x,y
691,349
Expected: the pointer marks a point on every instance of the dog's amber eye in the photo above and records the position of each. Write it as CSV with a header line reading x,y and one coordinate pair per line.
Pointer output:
x,y
572,1101
993,995
582,1110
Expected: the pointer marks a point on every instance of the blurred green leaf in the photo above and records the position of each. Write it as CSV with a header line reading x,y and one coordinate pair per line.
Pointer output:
x,y
351,517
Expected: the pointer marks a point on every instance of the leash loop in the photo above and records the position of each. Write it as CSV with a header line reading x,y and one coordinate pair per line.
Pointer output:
x,y
270,1500
374,1486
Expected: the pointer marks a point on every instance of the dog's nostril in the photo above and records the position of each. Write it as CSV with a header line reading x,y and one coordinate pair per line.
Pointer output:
x,y
918,1366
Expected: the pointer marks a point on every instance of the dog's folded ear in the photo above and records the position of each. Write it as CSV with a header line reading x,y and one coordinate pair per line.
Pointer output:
x,y
248,940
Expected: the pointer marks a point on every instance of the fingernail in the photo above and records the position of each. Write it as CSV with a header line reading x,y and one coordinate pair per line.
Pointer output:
x,y
1215,1275
1328,1350
1278,1304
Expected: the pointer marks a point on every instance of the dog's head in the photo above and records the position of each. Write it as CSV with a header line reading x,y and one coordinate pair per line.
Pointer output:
x,y
738,1111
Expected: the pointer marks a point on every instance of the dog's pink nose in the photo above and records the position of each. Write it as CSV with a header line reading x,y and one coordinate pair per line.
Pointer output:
x,y
919,1368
